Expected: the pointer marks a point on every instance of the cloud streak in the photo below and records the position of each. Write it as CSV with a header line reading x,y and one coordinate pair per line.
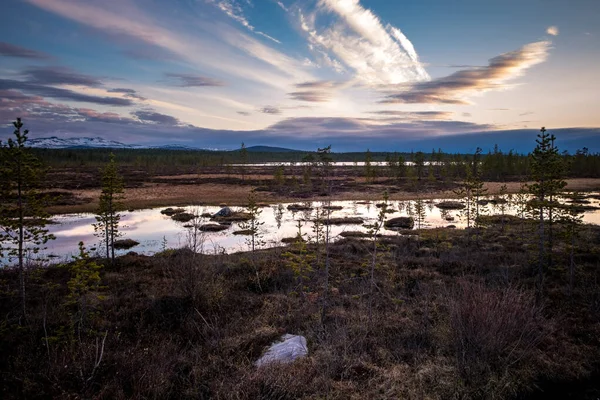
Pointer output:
x,y
234,10
11,50
270,110
155,118
191,80
315,91
356,37
62,94
59,76
453,89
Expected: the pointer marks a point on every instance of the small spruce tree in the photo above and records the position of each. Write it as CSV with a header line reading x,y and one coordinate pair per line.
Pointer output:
x,y
107,215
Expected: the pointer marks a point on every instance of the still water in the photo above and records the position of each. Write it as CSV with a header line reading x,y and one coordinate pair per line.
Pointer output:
x,y
156,231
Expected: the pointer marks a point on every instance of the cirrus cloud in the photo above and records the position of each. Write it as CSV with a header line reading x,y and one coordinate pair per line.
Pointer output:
x,y
356,37
11,50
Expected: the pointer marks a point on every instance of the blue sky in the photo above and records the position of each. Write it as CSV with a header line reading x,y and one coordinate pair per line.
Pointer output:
x,y
357,74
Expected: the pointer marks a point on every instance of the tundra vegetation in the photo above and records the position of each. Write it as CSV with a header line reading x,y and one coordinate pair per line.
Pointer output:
x,y
433,314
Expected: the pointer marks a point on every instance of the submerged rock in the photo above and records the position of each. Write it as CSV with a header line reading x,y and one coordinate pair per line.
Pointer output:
x,y
400,223
246,232
172,211
213,227
123,244
233,217
343,221
292,239
299,207
183,217
286,350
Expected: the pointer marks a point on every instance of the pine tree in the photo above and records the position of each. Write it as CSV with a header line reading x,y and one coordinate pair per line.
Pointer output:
x,y
419,211
22,215
255,238
546,171
300,260
107,215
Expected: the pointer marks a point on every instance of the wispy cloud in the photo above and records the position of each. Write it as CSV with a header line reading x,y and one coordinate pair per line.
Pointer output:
x,y
414,115
315,91
235,11
270,110
62,94
314,96
155,118
356,37
11,50
552,30
124,19
280,4
244,113
191,80
59,76
127,93
454,88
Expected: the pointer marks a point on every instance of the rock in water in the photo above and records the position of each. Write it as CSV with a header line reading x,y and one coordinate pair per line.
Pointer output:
x,y
223,212
288,349
450,205
400,223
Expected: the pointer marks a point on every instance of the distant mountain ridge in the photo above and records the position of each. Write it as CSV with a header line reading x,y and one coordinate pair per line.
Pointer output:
x,y
95,143
270,149
101,143
84,142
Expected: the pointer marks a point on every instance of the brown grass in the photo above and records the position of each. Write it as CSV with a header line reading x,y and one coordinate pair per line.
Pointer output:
x,y
449,320
163,194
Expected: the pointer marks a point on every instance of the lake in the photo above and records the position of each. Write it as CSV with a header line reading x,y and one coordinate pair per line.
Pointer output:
x,y
156,231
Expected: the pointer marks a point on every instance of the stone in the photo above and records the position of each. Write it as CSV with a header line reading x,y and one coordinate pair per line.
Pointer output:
x,y
400,223
125,244
288,349
213,227
223,212
450,205
183,217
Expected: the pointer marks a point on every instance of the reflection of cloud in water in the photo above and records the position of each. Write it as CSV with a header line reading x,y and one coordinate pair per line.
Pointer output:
x,y
150,226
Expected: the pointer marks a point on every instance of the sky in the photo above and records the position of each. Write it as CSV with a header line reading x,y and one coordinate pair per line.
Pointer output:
x,y
386,75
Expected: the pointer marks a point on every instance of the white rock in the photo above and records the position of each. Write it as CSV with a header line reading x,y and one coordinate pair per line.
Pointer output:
x,y
288,349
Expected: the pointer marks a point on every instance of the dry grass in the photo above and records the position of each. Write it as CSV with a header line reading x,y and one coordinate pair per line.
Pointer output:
x,y
449,320
164,194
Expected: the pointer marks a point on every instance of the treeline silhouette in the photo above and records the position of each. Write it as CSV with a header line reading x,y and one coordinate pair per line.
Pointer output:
x,y
496,165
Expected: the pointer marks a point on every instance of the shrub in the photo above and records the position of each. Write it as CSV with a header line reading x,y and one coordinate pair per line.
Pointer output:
x,y
495,334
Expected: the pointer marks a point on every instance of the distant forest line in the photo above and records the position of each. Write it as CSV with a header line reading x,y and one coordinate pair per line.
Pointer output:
x,y
496,165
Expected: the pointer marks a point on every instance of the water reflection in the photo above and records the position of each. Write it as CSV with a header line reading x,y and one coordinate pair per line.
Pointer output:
x,y
154,230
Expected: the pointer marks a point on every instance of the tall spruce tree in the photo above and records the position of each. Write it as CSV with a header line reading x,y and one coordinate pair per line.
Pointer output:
x,y
546,172
107,216
22,214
